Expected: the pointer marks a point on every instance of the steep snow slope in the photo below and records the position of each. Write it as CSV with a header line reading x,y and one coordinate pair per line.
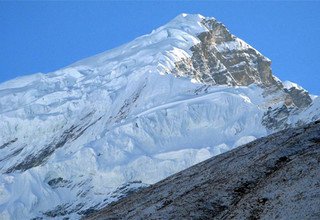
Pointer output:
x,y
275,177
76,139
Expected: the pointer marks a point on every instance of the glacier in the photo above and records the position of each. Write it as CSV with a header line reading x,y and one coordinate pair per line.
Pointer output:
x,y
79,138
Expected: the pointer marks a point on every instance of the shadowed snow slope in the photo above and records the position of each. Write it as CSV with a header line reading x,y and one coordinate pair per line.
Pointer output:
x,y
74,140
276,177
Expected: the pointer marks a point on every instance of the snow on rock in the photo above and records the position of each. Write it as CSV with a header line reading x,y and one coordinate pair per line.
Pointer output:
x,y
288,85
74,140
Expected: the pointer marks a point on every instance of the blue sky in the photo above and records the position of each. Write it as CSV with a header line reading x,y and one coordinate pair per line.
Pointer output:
x,y
45,36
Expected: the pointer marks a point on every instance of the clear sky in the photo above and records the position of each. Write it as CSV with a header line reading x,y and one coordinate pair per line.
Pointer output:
x,y
45,36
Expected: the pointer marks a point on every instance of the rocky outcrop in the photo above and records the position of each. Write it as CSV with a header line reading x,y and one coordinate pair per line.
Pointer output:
x,y
299,97
71,139
276,177
221,58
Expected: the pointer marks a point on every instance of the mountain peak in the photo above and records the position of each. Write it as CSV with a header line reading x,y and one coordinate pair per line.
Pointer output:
x,y
189,17
190,44
181,33
221,58
79,138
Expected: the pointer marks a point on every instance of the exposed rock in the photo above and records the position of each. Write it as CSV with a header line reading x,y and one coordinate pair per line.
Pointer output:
x,y
221,58
276,177
300,97
70,139
8,143
58,182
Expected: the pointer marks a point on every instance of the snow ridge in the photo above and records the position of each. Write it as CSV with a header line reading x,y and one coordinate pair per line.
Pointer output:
x,y
71,139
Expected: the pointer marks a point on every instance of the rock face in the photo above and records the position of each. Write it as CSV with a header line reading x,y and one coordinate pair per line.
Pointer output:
x,y
275,177
70,140
223,59
300,97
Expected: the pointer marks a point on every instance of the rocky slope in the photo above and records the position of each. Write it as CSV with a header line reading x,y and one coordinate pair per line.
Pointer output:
x,y
275,177
76,139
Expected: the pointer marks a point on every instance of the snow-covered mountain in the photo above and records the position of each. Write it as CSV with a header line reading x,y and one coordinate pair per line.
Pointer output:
x,y
76,139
